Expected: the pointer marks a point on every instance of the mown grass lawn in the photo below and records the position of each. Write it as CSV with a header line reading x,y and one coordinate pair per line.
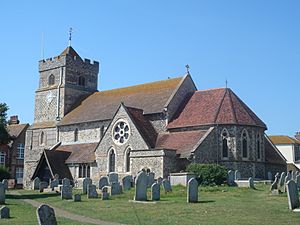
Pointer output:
x,y
217,205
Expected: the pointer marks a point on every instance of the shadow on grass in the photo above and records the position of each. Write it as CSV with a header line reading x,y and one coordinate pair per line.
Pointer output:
x,y
31,196
207,201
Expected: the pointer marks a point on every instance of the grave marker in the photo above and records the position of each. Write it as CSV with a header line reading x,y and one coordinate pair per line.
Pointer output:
x,y
293,196
141,182
192,192
155,192
46,215
4,212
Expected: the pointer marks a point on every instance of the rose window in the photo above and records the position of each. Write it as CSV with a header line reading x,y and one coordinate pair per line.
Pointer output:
x,y
121,132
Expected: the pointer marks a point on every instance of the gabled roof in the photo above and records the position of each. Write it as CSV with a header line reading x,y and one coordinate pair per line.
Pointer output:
x,y
184,142
79,153
69,51
151,97
56,163
143,125
215,106
15,130
283,139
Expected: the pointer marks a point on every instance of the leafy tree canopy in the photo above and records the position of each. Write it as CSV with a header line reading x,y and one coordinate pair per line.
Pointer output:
x,y
4,136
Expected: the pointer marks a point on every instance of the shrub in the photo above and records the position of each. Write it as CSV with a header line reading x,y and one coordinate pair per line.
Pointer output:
x,y
208,174
4,174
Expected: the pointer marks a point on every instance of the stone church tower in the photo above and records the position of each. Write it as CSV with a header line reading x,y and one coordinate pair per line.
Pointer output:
x,y
64,80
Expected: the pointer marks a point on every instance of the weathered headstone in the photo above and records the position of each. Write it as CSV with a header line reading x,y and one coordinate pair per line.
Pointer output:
x,y
293,196
141,182
192,191
151,180
2,193
103,182
36,183
56,177
91,191
4,212
274,185
167,185
155,192
293,175
298,182
230,178
286,179
237,175
126,182
86,181
105,194
42,186
270,176
66,189
113,177
5,182
159,180
54,183
251,182
281,179
77,198
116,188
289,175
46,215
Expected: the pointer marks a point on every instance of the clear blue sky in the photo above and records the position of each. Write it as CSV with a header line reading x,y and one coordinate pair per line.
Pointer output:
x,y
255,45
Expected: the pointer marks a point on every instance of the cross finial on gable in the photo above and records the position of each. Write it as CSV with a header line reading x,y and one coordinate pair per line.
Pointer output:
x,y
70,35
226,83
187,68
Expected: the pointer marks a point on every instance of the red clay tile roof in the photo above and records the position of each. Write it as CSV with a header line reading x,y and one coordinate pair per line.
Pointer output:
x,y
143,125
80,153
183,142
16,129
151,97
272,154
215,106
283,139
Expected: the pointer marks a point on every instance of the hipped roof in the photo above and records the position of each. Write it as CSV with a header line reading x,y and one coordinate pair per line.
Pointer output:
x,y
283,139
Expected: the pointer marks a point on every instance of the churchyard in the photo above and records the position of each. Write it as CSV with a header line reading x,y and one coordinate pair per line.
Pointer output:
x,y
216,205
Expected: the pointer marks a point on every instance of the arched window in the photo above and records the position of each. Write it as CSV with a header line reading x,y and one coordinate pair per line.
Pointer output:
x,y
51,80
42,138
111,161
127,160
224,144
244,144
81,81
258,146
76,135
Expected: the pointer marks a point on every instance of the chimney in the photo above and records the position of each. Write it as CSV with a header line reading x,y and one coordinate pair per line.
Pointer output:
x,y
297,136
14,120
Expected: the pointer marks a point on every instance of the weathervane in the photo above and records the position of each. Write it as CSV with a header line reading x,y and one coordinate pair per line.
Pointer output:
x,y
70,35
187,68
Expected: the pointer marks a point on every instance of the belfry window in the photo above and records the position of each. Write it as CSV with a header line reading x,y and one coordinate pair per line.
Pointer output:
x,y
111,161
244,144
51,80
81,81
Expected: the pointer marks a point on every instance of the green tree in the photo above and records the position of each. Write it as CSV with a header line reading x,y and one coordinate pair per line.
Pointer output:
x,y
4,136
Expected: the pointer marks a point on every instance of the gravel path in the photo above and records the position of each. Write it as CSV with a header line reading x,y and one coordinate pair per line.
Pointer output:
x,y
66,214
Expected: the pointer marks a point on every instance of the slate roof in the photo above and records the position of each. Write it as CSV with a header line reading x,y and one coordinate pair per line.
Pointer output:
x,y
283,139
183,142
80,153
215,106
143,125
151,97
272,154
16,129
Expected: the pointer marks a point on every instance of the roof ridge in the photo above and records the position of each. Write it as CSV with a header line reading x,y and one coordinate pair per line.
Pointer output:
x,y
219,108
212,89
233,109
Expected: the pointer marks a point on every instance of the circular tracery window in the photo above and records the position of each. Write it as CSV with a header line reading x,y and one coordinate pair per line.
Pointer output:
x,y
121,132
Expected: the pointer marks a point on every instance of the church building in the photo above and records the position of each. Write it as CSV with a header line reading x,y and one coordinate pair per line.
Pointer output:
x,y
162,126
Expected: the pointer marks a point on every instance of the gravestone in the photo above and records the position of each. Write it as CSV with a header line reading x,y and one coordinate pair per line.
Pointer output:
x,y
105,194
77,198
251,183
91,191
36,183
56,177
167,185
46,215
293,175
293,196
192,192
2,193
151,180
103,182
86,181
155,192
230,178
126,182
237,175
286,179
116,189
281,179
289,175
141,182
159,180
298,182
270,177
42,186
5,182
54,183
66,189
113,177
4,212
274,185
